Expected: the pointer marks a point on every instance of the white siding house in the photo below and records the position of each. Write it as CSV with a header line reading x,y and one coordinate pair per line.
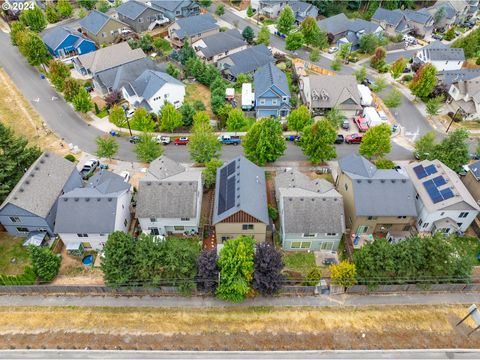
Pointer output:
x,y
441,56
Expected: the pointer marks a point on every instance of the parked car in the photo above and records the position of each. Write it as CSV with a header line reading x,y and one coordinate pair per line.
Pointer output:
x,y
182,141
103,166
165,140
332,50
361,123
437,37
135,139
345,123
292,138
125,175
354,139
367,82
340,139
89,168
229,140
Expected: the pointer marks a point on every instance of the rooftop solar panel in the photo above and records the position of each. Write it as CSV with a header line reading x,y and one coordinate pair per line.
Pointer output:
x,y
231,168
222,191
420,171
230,193
439,181
446,194
431,169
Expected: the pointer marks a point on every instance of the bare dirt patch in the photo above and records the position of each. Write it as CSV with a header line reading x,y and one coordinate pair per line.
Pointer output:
x,y
236,329
73,272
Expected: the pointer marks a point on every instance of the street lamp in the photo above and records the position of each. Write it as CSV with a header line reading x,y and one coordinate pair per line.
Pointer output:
x,y
453,118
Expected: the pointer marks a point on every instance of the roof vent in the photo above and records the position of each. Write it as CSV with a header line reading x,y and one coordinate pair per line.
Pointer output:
x,y
313,199
393,181
21,190
110,199
335,199
289,199
27,182
37,167
98,199
359,181
42,161
76,199
382,181
169,183
404,181
324,199
32,174
87,199
369,181
47,154
15,198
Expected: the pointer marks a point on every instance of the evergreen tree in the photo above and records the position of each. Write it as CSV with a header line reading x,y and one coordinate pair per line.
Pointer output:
x,y
45,263
82,102
248,34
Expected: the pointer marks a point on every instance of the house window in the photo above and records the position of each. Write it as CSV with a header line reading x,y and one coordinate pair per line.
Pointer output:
x,y
306,245
179,228
285,98
372,218
416,196
153,219
328,245
185,219
309,235
14,219
442,213
125,222
22,230
225,238
362,229
401,217
331,234
346,187
262,102
103,34
420,222
425,225
247,227
82,235
154,231
140,20
463,215
295,244
274,102
459,224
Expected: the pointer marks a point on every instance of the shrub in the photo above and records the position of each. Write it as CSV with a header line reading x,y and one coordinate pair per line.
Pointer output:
x,y
27,278
407,77
272,212
70,158
313,277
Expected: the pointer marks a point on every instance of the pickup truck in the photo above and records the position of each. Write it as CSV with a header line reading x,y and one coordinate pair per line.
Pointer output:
x,y
165,140
229,140
89,168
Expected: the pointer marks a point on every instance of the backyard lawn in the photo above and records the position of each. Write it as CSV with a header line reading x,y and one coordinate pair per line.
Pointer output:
x,y
197,91
299,262
10,248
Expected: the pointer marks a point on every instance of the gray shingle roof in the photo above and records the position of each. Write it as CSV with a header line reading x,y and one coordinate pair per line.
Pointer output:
x,y
439,51
168,191
94,21
119,76
251,191
378,192
391,17
109,57
267,76
249,60
475,169
170,5
421,17
194,25
335,24
310,206
54,37
132,9
451,76
42,183
149,82
91,209
337,90
222,42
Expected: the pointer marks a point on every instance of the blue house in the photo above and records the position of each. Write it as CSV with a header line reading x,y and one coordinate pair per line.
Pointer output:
x,y
272,96
63,42
32,204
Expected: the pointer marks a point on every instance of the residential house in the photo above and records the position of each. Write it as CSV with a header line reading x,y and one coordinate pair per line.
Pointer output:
x,y
240,206
472,7
465,94
140,16
32,204
454,12
63,42
301,9
311,212
377,201
472,180
169,198
393,22
272,95
88,214
152,89
345,30
271,8
449,77
174,9
115,78
102,28
442,56
442,200
217,46
192,29
245,62
419,22
321,93
106,58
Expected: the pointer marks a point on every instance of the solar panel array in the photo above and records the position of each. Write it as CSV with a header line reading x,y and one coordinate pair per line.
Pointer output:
x,y
226,189
435,194
422,172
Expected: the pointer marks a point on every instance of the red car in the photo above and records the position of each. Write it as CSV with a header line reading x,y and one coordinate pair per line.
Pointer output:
x,y
361,123
354,139
181,141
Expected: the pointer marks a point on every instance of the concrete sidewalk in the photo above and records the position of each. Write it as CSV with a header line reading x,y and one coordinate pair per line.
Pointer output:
x,y
210,302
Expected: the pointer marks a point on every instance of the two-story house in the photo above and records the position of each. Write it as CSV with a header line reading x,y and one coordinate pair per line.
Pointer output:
x,y
311,212
442,200
174,9
192,29
393,22
63,42
102,28
472,180
272,95
152,89
140,16
169,198
218,46
377,201
32,204
465,94
301,9
245,62
320,93
442,56
420,22
88,214
240,206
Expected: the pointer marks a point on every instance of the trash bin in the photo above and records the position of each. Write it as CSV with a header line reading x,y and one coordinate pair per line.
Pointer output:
x,y
42,76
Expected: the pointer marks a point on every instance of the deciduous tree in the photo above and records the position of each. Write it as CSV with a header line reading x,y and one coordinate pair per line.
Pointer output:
x,y
17,28
172,70
82,102
118,264
396,69
34,19
142,121
52,14
299,118
58,72
107,146
314,55
147,149
45,263
267,274
294,41
117,116
71,87
343,274
317,141
434,105
210,172
203,145
393,99
170,118
378,59
64,8
286,20
264,141
220,10
425,145
361,74
207,274
334,117
424,81
32,47
368,43
312,34
376,141
263,36
236,120
453,150
384,164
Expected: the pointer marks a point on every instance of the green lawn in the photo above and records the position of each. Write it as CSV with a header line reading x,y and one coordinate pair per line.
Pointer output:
x,y
299,262
11,247
103,113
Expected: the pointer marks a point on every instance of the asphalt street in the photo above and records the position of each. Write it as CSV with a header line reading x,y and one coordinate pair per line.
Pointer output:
x,y
309,354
